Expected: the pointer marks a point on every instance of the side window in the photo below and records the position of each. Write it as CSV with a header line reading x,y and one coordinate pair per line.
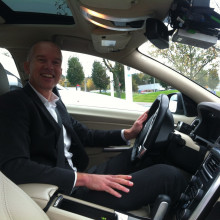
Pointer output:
x,y
10,68
96,82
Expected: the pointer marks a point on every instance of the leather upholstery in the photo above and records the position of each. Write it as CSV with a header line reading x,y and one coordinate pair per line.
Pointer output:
x,y
15,204
40,193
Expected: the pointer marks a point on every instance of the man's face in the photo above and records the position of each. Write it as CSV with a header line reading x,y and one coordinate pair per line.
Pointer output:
x,y
44,67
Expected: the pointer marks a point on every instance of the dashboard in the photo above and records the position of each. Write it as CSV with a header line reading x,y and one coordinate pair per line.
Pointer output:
x,y
199,200
208,128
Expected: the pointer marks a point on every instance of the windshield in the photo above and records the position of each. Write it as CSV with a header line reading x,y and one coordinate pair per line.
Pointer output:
x,y
202,65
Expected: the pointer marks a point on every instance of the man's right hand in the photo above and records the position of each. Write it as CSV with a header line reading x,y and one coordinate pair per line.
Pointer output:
x,y
136,127
107,183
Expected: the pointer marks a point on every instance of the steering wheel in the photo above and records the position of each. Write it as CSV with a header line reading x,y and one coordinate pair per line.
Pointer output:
x,y
151,127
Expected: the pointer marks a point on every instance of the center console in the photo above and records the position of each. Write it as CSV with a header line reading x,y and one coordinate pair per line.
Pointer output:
x,y
90,210
59,206
202,191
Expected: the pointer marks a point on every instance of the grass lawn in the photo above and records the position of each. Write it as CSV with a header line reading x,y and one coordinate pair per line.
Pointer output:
x,y
150,97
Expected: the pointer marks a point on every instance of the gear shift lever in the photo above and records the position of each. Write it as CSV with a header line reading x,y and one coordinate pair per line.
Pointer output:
x,y
161,207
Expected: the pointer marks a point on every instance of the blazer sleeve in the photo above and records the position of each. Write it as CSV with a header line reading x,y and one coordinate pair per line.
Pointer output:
x,y
89,137
99,138
15,158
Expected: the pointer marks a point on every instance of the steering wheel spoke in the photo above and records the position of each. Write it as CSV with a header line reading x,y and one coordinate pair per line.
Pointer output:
x,y
151,128
141,151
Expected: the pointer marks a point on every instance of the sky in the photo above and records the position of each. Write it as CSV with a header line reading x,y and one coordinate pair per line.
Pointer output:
x,y
8,63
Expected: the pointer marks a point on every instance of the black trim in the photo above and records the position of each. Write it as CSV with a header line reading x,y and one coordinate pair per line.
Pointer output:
x,y
50,201
86,210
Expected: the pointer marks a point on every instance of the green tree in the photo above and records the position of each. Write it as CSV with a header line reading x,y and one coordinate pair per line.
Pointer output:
x,y
163,84
62,80
117,70
134,86
213,79
193,62
75,74
142,79
90,84
99,76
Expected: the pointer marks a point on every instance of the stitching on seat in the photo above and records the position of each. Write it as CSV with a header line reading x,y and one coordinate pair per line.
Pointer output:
x,y
5,199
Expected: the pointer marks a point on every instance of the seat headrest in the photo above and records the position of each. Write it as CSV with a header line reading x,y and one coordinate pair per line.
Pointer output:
x,y
4,84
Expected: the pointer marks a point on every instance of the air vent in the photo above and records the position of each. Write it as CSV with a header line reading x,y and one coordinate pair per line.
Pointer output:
x,y
211,165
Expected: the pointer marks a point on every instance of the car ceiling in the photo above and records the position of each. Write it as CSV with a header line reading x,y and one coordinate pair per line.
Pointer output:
x,y
121,26
121,21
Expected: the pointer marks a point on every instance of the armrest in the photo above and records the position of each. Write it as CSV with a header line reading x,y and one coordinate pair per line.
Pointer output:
x,y
40,193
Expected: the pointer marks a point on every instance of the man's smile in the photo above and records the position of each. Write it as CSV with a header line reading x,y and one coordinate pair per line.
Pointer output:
x,y
47,75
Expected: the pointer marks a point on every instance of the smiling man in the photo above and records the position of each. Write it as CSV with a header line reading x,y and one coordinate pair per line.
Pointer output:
x,y
44,67
42,143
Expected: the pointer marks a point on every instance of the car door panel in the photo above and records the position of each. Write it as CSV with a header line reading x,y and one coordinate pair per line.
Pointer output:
x,y
104,119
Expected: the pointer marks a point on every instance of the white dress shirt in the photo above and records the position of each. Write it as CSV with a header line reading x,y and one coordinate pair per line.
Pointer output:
x,y
51,105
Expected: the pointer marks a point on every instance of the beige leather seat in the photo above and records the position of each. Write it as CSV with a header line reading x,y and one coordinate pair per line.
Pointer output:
x,y
15,204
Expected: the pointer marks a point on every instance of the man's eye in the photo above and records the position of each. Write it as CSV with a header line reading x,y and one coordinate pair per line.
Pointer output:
x,y
41,60
56,62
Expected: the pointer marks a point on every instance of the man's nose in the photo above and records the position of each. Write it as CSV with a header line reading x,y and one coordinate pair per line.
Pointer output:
x,y
49,65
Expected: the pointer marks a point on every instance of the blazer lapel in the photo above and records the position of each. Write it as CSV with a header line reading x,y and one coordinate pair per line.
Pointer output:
x,y
80,158
64,114
47,116
34,97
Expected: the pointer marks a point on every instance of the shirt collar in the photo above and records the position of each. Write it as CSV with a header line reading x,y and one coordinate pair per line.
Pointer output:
x,y
53,99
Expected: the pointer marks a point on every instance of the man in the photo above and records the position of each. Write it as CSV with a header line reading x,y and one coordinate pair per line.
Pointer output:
x,y
42,143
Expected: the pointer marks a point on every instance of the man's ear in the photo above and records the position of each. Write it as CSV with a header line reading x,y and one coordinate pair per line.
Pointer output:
x,y
27,67
61,73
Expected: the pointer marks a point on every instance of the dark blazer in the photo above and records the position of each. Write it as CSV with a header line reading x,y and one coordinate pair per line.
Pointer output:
x,y
29,151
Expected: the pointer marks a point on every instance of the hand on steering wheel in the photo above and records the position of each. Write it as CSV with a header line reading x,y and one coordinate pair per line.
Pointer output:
x,y
151,128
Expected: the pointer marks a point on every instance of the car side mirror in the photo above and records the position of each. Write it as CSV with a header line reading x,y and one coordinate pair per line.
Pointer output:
x,y
176,103
173,103
182,105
